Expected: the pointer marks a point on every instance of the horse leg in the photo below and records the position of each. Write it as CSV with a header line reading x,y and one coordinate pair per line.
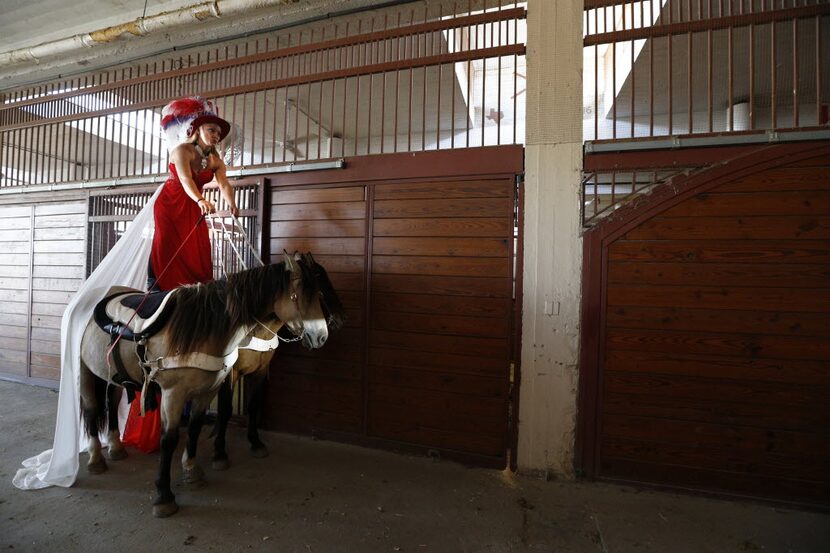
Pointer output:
x,y
93,390
172,404
257,387
192,473
225,408
115,449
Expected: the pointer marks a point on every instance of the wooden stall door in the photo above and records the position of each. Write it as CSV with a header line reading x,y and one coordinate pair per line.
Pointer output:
x,y
713,366
424,263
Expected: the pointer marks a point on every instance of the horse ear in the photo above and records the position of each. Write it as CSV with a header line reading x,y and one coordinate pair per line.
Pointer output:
x,y
297,256
290,264
310,259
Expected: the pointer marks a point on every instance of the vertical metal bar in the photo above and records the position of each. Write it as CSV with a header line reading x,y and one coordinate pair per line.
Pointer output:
x,y
818,69
773,78
670,78
709,72
467,116
440,77
412,54
357,94
633,86
730,47
614,89
795,72
424,87
345,98
690,72
398,42
371,90
752,76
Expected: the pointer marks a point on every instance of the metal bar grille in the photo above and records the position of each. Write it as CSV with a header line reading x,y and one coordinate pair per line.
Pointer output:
x,y
696,67
301,94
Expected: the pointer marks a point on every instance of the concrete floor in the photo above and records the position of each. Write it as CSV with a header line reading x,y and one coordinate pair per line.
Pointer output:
x,y
320,497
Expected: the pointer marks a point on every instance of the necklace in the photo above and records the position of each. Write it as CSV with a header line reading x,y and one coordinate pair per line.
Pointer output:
x,y
204,155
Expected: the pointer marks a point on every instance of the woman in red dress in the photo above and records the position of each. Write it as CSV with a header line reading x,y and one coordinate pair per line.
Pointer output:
x,y
181,247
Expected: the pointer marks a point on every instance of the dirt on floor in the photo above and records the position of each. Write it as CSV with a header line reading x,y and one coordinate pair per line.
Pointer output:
x,y
318,497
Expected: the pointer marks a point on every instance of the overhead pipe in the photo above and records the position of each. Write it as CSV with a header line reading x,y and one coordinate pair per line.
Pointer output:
x,y
141,26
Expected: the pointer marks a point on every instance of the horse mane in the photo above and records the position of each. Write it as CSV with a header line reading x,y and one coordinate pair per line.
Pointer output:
x,y
206,315
198,319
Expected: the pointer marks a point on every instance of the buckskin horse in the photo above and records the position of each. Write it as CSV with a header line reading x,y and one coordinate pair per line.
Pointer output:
x,y
254,364
207,322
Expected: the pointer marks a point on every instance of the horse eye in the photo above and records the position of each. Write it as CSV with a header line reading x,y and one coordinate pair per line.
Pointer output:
x,y
293,297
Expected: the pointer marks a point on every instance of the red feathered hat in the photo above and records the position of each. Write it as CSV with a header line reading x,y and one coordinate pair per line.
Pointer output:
x,y
180,119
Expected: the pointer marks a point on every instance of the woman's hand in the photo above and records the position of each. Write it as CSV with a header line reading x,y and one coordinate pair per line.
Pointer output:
x,y
206,206
234,211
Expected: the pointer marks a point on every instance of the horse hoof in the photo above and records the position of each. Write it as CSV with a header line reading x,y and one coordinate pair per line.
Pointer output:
x,y
259,452
99,467
164,510
116,454
193,476
220,464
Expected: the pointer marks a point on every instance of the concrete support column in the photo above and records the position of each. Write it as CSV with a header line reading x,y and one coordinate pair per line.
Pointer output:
x,y
552,238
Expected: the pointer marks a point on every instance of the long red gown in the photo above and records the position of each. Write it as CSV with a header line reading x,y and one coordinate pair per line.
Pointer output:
x,y
175,216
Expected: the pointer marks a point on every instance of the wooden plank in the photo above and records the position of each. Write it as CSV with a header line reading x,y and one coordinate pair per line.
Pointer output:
x,y
726,251
17,259
14,283
12,331
298,418
14,271
739,438
56,309
333,263
784,417
318,229
721,274
318,210
497,348
15,247
802,227
764,464
491,412
60,246
21,319
690,477
793,371
428,420
473,247
449,266
47,360
723,298
59,271
19,344
475,188
59,259
783,178
754,204
48,373
60,221
14,307
78,208
281,196
72,233
14,295
23,211
715,388
739,345
445,362
343,282
20,224
459,227
14,235
324,245
49,334
443,305
449,382
318,366
443,324
50,296
501,287
11,357
44,346
57,284
720,320
443,207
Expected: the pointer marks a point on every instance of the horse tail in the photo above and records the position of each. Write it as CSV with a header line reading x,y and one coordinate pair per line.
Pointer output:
x,y
95,419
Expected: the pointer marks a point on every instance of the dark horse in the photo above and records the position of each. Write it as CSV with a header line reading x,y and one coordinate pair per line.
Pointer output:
x,y
253,365
207,322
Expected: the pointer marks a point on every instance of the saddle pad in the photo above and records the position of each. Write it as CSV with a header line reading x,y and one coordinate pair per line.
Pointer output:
x,y
119,309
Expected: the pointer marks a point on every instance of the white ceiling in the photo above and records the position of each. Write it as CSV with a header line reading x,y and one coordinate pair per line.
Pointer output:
x,y
27,23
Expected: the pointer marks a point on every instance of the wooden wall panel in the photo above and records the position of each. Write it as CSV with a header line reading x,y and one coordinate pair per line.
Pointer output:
x,y
715,351
425,269
15,295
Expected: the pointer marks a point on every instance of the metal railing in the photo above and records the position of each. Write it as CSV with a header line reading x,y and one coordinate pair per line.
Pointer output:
x,y
433,75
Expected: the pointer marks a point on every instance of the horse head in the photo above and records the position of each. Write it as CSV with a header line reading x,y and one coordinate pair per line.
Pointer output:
x,y
299,306
332,307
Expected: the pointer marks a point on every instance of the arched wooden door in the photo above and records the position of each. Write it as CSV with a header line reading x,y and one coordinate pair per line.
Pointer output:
x,y
706,345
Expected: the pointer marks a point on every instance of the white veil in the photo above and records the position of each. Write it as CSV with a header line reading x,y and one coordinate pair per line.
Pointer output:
x,y
126,265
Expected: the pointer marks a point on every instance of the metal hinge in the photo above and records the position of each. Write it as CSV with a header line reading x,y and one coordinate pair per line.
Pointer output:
x,y
512,372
